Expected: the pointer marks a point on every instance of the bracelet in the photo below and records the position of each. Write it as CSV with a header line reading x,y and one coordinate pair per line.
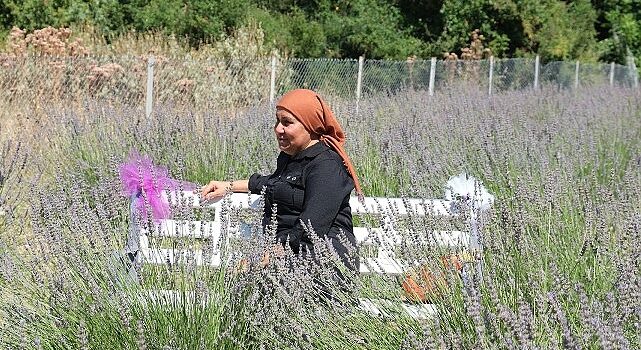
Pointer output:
x,y
230,188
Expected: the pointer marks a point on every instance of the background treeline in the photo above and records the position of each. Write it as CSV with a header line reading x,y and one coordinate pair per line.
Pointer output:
x,y
599,30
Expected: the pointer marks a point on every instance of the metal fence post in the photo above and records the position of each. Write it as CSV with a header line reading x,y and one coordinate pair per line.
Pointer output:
x,y
635,74
151,61
537,66
489,89
576,75
359,80
272,81
432,76
612,74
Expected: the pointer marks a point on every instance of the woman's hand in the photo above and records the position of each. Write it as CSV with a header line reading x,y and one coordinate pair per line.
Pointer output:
x,y
273,252
215,190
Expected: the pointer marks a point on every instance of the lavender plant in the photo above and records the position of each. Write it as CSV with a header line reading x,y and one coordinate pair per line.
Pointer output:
x,y
12,166
560,266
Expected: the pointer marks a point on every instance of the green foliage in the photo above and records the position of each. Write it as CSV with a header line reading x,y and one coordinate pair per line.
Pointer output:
x,y
370,28
391,29
34,14
621,27
198,20
308,38
497,21
568,32
422,17
106,15
553,29
275,28
337,29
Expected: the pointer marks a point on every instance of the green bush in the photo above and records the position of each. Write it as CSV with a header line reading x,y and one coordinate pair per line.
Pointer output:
x,y
197,20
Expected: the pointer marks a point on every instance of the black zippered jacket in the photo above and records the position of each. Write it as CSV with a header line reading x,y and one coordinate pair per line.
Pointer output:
x,y
314,187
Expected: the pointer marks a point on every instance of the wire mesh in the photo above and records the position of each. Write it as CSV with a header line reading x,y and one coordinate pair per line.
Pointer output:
x,y
559,74
53,80
326,76
206,84
593,74
211,83
462,75
624,76
513,74
381,76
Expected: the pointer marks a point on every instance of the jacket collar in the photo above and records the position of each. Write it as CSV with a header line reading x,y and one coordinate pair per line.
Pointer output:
x,y
312,151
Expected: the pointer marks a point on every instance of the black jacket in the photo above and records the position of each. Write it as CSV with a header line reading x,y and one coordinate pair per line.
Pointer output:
x,y
311,187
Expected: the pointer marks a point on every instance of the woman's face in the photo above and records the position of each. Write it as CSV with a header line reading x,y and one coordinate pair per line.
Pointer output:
x,y
291,135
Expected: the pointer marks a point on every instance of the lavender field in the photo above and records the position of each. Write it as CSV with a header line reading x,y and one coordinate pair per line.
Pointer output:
x,y
561,266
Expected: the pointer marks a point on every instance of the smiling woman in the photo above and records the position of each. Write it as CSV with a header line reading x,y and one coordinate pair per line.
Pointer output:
x,y
291,134
313,180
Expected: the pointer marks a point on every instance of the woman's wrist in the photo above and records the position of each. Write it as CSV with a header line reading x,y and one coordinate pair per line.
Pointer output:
x,y
235,186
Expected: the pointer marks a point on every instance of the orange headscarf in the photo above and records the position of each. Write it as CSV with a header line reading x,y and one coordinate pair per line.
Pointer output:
x,y
310,109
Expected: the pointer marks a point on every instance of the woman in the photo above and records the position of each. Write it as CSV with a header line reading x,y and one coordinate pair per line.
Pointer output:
x,y
313,179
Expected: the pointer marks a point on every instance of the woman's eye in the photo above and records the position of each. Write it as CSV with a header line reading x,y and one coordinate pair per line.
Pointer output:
x,y
283,122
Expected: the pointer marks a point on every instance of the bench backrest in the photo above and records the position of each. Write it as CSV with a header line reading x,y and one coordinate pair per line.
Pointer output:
x,y
464,198
385,236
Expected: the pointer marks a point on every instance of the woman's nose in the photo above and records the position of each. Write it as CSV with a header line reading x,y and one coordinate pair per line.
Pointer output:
x,y
279,129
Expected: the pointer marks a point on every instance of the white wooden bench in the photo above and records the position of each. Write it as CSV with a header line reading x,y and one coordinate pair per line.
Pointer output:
x,y
142,250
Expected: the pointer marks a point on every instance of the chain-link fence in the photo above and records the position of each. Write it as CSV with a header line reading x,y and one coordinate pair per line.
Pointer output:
x,y
148,82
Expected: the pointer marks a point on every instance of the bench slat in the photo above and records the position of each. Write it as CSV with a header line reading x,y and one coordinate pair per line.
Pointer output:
x,y
188,229
211,230
160,256
365,235
237,200
386,265
371,205
402,206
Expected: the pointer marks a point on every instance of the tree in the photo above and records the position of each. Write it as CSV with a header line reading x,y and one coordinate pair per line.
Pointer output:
x,y
554,29
197,20
35,14
326,28
551,28
423,18
499,21
367,27
568,32
619,24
